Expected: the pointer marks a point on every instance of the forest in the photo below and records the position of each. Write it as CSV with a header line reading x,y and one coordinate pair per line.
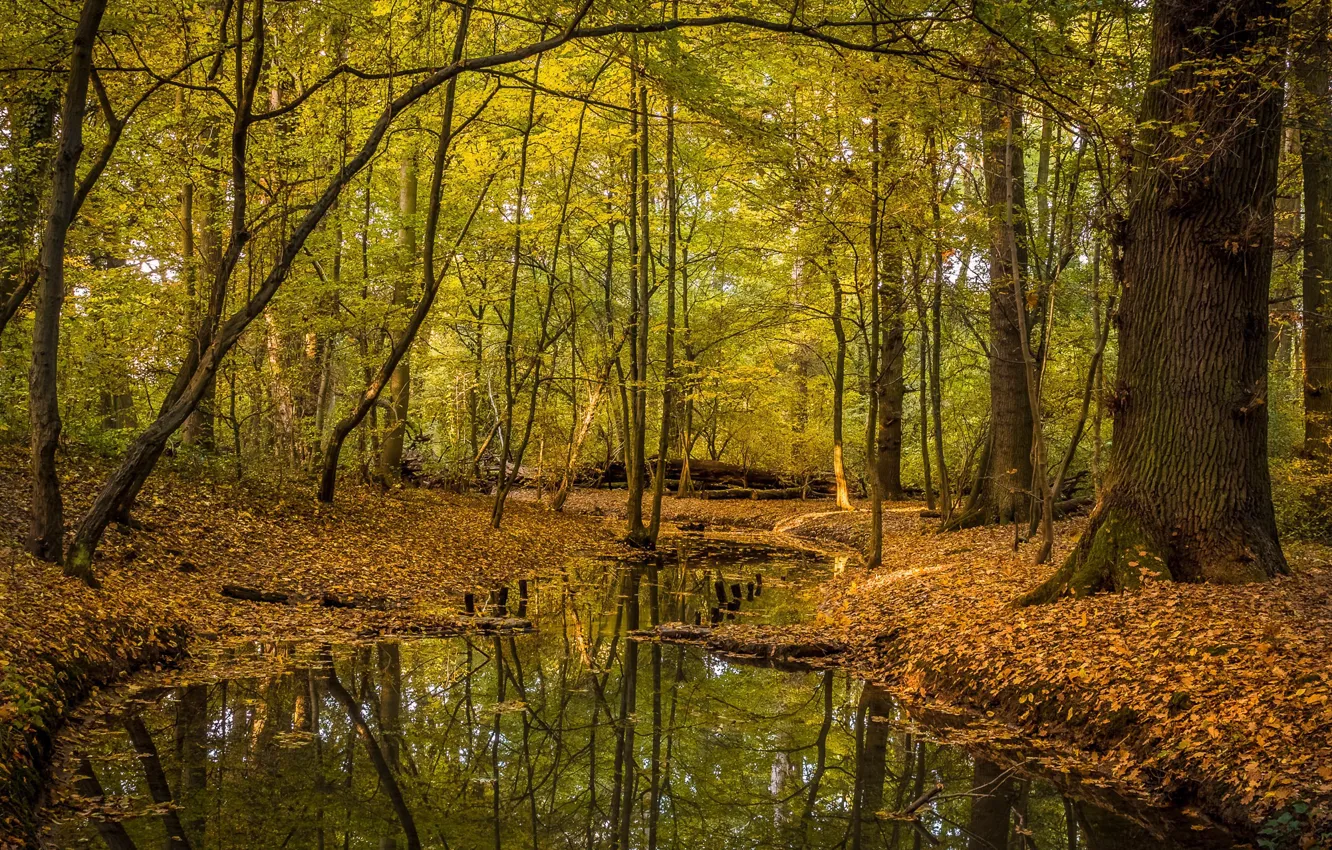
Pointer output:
x,y
946,379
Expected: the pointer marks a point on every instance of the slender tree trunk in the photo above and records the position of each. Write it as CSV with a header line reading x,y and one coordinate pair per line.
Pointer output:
x,y
580,431
199,427
688,436
1039,480
839,383
507,452
159,787
992,799
112,832
892,356
936,339
923,378
46,529
1102,330
668,385
1187,494
637,534
1100,317
400,384
878,392
383,767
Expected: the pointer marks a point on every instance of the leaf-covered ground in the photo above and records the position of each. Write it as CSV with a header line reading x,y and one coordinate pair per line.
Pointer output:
x,y
418,551
1220,695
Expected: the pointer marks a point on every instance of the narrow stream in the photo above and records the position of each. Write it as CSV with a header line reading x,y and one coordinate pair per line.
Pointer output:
x,y
571,736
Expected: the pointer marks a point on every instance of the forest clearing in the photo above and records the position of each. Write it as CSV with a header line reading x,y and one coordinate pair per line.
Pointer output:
x,y
519,423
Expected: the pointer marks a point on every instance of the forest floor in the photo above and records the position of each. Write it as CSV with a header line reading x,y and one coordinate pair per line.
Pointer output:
x,y
1214,696
413,552
1199,694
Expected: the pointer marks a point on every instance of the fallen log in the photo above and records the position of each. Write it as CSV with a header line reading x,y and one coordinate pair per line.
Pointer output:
x,y
794,493
250,594
501,624
1069,507
678,632
329,599
763,644
450,627
729,493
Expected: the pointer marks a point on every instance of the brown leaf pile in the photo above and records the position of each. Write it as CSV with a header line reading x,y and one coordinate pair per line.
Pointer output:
x,y
1219,694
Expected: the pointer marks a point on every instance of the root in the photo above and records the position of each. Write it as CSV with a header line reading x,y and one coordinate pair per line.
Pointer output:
x,y
973,518
1114,554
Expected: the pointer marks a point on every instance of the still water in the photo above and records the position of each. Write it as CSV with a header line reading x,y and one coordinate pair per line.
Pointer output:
x,y
571,736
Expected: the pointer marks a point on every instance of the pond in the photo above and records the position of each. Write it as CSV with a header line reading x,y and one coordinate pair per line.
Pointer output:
x,y
569,736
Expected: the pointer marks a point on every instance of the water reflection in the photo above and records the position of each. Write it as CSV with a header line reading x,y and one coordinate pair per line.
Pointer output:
x,y
572,737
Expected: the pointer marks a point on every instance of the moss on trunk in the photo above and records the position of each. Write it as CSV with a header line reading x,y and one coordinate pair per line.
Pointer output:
x,y
1115,554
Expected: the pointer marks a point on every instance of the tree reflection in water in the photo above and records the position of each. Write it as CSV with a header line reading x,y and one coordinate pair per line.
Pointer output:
x,y
552,740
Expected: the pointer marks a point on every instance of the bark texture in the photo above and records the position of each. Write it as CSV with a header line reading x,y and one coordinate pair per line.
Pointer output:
x,y
892,384
1004,482
1187,494
1313,108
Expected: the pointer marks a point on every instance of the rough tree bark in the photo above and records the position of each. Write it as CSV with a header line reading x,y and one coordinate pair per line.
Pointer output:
x,y
46,528
1187,494
1003,482
892,356
1313,103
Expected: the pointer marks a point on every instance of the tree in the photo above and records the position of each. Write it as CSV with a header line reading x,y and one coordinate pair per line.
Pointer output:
x,y
1312,102
1000,493
1187,493
46,530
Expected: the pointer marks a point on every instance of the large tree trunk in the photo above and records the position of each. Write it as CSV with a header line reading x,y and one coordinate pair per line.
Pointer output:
x,y
1313,103
1006,482
1003,484
46,529
1187,494
992,798
892,354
